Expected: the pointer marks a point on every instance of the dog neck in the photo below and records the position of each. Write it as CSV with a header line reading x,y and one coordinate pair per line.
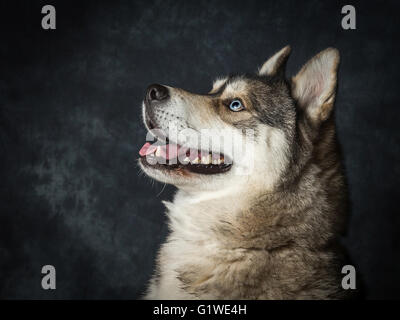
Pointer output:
x,y
257,219
218,217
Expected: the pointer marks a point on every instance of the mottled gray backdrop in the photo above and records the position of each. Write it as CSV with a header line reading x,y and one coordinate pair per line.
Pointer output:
x,y
70,128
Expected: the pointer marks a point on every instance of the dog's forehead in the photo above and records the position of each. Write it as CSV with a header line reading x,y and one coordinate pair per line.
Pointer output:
x,y
236,86
229,86
218,84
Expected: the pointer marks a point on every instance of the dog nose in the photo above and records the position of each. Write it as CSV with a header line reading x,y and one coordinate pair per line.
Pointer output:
x,y
157,92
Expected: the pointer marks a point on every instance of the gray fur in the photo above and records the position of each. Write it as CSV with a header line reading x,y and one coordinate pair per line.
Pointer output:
x,y
259,242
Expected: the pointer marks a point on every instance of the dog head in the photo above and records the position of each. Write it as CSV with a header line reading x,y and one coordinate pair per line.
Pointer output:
x,y
244,132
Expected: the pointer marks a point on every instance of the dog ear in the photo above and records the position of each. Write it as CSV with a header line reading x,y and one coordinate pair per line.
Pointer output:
x,y
314,87
276,65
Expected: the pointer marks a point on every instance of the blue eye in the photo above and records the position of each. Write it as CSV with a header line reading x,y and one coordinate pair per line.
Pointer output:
x,y
236,105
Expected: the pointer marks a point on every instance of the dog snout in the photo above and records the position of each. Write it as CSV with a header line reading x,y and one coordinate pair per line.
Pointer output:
x,y
157,93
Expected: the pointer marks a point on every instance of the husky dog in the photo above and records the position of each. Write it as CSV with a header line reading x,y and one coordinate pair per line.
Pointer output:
x,y
272,233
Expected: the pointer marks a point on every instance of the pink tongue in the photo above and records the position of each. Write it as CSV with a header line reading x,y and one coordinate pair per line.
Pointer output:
x,y
147,149
168,151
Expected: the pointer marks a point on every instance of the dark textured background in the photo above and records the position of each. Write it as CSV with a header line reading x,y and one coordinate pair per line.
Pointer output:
x,y
70,128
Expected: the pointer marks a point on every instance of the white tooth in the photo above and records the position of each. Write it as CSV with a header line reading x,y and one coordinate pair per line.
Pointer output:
x,y
186,160
215,161
158,151
196,161
206,159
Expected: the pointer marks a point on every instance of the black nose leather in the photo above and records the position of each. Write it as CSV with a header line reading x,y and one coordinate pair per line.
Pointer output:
x,y
157,92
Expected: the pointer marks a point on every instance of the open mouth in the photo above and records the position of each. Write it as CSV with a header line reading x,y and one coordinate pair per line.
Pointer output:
x,y
170,156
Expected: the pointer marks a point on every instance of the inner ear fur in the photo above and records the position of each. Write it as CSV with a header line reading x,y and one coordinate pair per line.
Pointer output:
x,y
314,86
276,65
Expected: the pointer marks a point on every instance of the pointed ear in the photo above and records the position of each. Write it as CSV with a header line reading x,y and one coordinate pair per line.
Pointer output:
x,y
276,65
314,87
